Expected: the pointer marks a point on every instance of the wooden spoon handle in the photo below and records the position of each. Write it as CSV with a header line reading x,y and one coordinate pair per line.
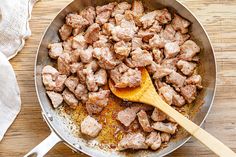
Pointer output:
x,y
207,139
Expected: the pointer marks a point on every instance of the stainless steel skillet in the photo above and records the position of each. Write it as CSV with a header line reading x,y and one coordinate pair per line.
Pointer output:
x,y
60,126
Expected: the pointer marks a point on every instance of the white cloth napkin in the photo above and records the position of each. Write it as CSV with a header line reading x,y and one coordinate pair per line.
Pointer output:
x,y
14,29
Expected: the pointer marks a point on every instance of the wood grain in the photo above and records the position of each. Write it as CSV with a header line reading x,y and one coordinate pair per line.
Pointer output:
x,y
218,18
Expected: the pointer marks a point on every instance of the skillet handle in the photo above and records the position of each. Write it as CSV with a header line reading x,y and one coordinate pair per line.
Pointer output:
x,y
41,149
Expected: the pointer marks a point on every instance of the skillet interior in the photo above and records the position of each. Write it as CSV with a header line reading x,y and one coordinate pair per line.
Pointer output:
x,y
62,126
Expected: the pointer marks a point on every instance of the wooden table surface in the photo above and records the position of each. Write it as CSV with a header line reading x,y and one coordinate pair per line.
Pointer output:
x,y
218,18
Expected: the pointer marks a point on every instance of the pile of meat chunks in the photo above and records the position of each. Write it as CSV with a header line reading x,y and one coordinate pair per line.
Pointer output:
x,y
114,40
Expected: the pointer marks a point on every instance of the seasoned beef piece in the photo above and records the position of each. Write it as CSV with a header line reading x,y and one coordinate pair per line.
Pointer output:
x,y
90,127
106,58
157,41
189,93
104,13
161,72
157,55
55,50
152,68
92,33
188,50
137,7
146,34
102,42
136,43
74,67
156,27
81,92
195,80
153,140
79,42
60,83
76,21
65,31
181,38
93,109
141,58
71,83
165,137
67,45
163,16
127,116
122,49
90,80
144,121
187,68
63,64
48,69
124,76
120,8
180,24
158,115
132,141
56,98
171,49
176,79
89,14
101,77
70,99
168,34
97,100
170,63
165,127
148,19
86,56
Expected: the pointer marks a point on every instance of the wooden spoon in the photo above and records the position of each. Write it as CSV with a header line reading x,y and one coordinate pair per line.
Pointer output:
x,y
146,93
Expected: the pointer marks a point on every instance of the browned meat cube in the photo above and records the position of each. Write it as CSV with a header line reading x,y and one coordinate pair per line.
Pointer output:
x,y
89,14
168,33
81,92
76,21
165,127
93,109
156,27
136,43
163,16
74,67
71,83
101,77
127,116
189,93
132,141
158,115
139,106
178,100
80,73
144,121
167,93
48,82
78,30
90,127
157,42
104,13
120,8
92,33
59,83
106,58
99,98
195,80
161,72
67,44
188,50
165,137
79,42
90,80
48,69
86,56
70,99
171,49
176,79
181,38
157,55
170,63
124,76
187,68
180,24
137,7
93,65
141,58
102,42
152,68
146,35
56,98
63,64
148,19
153,140
65,31
122,49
